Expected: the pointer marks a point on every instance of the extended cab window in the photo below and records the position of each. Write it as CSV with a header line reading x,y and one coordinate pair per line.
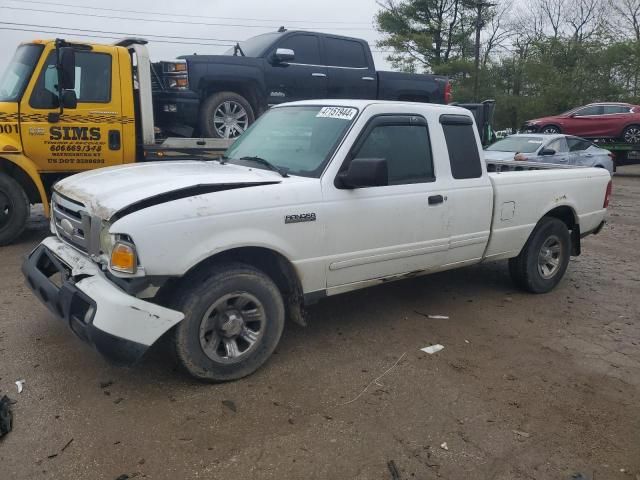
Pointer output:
x,y
406,149
93,80
305,47
464,156
345,53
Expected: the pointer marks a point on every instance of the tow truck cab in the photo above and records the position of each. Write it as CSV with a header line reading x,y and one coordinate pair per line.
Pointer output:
x,y
69,107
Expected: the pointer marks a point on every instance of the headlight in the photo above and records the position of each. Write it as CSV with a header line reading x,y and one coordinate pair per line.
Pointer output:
x,y
123,257
179,83
106,239
176,67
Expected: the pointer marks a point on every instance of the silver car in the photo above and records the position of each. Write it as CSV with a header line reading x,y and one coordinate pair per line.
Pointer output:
x,y
559,149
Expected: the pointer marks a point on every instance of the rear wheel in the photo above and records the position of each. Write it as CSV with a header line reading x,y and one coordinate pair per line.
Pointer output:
x,y
544,258
225,115
550,129
14,209
233,321
631,134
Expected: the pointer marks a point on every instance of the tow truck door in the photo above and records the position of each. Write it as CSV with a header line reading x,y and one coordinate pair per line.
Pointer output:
x,y
87,137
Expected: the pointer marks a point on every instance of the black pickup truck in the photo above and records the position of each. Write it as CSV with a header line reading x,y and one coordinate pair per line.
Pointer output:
x,y
221,95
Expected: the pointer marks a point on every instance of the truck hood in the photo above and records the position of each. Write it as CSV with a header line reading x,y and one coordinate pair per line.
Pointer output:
x,y
107,192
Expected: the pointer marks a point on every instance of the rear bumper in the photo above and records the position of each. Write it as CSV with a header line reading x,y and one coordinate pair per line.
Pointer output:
x,y
595,231
119,326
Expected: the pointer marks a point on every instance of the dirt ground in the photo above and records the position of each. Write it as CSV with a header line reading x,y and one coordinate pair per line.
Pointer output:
x,y
527,387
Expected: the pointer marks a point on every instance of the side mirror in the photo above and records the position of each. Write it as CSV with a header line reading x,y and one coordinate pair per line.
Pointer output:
x,y
69,99
283,55
364,172
547,151
67,68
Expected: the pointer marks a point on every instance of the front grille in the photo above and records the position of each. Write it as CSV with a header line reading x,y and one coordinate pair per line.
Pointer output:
x,y
72,222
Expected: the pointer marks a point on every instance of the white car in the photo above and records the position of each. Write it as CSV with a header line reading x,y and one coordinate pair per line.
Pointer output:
x,y
550,148
317,198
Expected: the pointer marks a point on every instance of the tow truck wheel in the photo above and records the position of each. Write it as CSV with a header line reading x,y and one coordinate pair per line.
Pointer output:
x,y
14,209
544,258
225,115
233,321
631,134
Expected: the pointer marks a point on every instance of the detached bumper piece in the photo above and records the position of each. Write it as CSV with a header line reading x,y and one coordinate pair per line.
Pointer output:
x,y
119,326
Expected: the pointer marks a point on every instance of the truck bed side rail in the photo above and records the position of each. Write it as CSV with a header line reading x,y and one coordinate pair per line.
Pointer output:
x,y
519,165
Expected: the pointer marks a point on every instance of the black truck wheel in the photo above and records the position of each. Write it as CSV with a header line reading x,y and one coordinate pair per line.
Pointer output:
x,y
14,209
225,115
544,258
233,321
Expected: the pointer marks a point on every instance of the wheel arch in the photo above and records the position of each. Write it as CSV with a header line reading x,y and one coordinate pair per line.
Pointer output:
x,y
550,124
248,90
23,171
272,263
569,217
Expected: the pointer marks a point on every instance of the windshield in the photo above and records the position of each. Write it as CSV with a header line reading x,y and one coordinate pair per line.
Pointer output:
x,y
255,46
298,140
15,78
516,145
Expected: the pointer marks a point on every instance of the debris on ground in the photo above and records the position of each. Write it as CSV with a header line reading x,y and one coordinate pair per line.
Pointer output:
x,y
106,384
375,380
395,473
66,445
6,416
230,405
432,349
444,446
432,317
19,384
521,434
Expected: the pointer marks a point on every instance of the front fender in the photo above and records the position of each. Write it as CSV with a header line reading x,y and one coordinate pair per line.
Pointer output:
x,y
29,168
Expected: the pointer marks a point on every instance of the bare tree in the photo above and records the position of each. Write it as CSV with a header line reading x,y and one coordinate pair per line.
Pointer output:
x,y
585,18
498,32
554,12
627,14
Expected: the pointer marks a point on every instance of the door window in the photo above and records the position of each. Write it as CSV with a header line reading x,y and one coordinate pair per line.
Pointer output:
x,y
305,47
559,145
577,144
345,53
611,109
590,111
407,150
93,80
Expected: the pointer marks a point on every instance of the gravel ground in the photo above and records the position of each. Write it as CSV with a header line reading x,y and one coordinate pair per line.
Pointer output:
x,y
527,387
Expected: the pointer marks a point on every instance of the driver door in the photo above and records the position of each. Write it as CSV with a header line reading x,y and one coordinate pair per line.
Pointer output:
x,y
83,138
303,78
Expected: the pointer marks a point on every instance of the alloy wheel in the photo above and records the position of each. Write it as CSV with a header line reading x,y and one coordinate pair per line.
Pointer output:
x,y
550,257
230,119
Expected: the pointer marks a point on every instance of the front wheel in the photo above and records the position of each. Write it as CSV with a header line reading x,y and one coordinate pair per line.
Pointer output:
x,y
631,134
225,115
233,321
544,258
550,129
14,209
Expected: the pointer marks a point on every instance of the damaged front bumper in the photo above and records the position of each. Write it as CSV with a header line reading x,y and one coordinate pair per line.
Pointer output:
x,y
119,326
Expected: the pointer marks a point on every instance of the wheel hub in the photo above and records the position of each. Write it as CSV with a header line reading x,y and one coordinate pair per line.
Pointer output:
x,y
550,257
232,326
230,119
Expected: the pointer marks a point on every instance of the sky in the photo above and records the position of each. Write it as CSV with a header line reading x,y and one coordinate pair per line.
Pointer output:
x,y
205,22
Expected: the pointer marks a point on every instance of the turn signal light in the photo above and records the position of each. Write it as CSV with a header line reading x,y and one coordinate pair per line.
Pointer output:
x,y
123,258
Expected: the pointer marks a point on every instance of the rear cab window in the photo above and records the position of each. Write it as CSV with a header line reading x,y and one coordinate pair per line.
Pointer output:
x,y
345,53
460,138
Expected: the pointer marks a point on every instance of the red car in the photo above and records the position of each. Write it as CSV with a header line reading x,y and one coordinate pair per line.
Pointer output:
x,y
596,120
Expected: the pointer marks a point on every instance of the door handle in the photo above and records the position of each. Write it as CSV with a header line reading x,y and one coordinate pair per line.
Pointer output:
x,y
322,75
368,79
436,199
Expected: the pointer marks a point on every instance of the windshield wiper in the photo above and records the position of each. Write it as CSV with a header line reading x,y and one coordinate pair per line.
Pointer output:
x,y
267,164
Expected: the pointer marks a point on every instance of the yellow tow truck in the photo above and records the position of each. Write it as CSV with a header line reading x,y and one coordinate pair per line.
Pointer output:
x,y
69,107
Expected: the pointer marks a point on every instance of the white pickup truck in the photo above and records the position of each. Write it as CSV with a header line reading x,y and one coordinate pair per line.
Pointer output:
x,y
317,198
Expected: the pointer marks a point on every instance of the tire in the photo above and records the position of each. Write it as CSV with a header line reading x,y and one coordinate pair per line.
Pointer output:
x,y
631,134
233,110
14,209
550,240
550,129
217,316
